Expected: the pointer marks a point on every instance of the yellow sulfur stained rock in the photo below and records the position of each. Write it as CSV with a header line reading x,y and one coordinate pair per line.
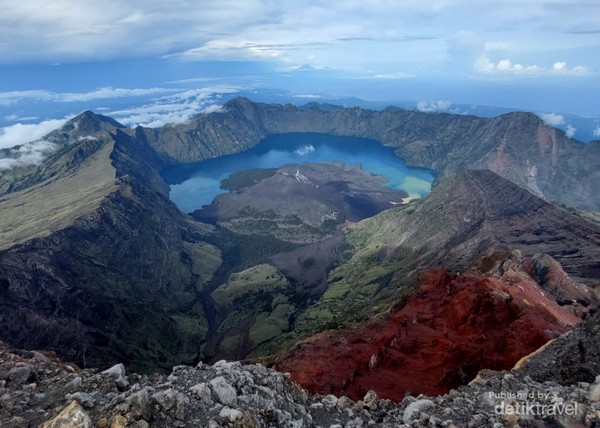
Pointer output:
x,y
72,416
118,421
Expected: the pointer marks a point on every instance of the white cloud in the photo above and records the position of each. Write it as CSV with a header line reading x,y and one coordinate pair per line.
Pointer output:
x,y
561,68
20,133
14,97
32,153
173,109
570,131
597,132
485,65
505,66
552,119
214,108
308,96
231,49
391,76
15,118
108,92
428,107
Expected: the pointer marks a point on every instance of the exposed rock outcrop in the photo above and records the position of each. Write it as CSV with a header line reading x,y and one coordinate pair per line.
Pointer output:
x,y
571,358
234,395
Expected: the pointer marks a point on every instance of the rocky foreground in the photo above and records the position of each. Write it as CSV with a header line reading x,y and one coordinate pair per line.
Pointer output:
x,y
555,387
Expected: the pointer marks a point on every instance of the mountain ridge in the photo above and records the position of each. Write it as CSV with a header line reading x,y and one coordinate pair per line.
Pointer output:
x,y
463,218
48,281
517,145
90,279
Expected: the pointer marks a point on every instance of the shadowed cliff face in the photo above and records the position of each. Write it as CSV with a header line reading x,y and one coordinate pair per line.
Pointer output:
x,y
449,329
100,266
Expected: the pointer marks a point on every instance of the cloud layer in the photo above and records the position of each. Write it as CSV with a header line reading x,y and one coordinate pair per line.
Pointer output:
x,y
379,37
429,107
506,66
32,153
19,133
552,119
14,97
173,109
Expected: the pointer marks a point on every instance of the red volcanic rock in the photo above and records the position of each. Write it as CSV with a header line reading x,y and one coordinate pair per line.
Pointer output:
x,y
449,329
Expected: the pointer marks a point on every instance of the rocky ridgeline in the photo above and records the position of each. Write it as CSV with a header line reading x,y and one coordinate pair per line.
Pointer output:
x,y
37,389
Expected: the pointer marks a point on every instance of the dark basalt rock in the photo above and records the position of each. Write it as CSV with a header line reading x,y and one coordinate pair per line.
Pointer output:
x,y
234,395
572,358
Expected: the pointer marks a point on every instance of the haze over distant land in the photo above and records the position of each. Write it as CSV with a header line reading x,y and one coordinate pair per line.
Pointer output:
x,y
152,63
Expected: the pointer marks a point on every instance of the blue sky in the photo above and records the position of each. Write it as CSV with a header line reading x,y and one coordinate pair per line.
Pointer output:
x,y
150,62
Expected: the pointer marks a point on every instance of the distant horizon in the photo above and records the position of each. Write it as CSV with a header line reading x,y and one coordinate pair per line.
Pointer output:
x,y
150,63
155,107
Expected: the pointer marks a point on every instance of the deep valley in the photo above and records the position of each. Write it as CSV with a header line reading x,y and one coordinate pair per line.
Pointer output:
x,y
293,264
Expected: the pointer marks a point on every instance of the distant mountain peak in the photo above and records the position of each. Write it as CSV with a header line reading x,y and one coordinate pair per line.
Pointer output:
x,y
305,67
238,101
90,122
313,105
523,116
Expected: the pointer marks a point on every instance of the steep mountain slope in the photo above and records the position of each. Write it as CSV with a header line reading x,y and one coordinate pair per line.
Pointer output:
x,y
65,148
98,264
54,204
518,146
463,218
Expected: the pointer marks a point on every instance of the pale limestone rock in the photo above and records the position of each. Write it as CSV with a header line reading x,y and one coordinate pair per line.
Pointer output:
x,y
72,416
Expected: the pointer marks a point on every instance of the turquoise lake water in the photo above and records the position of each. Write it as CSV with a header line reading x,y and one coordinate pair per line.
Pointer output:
x,y
196,184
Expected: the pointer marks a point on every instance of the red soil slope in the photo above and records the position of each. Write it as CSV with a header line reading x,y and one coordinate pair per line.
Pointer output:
x,y
449,329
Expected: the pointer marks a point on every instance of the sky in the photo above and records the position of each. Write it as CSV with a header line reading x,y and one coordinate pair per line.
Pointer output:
x,y
153,62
